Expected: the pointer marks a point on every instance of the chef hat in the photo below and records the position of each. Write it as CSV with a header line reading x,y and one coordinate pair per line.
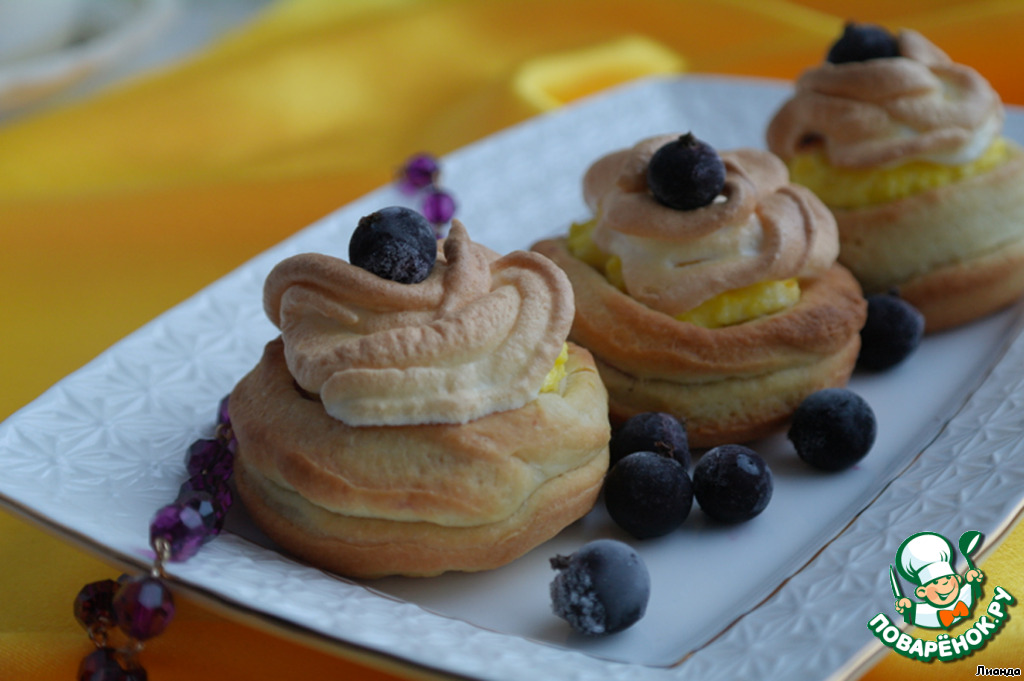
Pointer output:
x,y
924,557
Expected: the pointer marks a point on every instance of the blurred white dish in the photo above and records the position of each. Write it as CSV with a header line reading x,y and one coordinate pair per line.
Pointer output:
x,y
33,27
47,46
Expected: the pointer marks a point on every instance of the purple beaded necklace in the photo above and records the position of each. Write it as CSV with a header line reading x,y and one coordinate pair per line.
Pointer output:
x,y
121,615
420,174
135,609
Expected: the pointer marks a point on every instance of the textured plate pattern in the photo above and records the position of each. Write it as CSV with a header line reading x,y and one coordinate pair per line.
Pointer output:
x,y
98,453
970,477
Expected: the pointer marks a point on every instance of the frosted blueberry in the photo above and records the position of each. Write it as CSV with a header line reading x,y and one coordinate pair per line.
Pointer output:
x,y
395,243
648,494
600,589
732,483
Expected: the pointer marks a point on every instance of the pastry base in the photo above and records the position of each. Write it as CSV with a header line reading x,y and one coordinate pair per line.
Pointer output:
x,y
969,290
729,385
419,500
955,252
732,410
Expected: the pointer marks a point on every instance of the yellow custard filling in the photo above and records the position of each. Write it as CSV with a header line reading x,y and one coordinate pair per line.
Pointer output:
x,y
581,245
554,378
854,188
728,308
743,304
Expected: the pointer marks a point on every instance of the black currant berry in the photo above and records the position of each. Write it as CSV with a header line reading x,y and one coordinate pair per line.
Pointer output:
x,y
651,431
686,173
893,330
833,429
600,589
861,42
394,243
732,483
648,495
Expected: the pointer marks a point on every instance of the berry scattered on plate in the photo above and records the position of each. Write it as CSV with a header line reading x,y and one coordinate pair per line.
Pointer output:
x,y
833,429
651,431
732,483
602,588
648,494
893,330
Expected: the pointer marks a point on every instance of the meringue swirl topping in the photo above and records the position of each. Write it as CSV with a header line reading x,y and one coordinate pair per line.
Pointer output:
x,y
761,229
919,106
479,335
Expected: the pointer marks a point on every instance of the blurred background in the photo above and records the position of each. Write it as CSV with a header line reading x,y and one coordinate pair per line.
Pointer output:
x,y
148,147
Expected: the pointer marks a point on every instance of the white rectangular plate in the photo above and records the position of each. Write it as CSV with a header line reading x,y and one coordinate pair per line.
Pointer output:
x,y
785,596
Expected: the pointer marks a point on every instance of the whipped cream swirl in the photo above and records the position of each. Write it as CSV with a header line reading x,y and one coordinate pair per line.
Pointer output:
x,y
477,336
918,106
761,228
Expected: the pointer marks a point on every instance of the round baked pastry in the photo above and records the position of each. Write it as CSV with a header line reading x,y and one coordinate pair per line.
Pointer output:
x,y
412,429
726,315
906,149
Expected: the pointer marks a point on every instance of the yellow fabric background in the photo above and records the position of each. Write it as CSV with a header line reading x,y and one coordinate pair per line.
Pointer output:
x,y
116,208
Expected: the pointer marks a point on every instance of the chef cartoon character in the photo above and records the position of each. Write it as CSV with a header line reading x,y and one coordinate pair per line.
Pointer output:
x,y
926,559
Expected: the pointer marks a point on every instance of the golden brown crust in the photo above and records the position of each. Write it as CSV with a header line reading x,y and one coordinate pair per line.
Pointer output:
x,y
730,410
962,292
420,499
954,251
729,384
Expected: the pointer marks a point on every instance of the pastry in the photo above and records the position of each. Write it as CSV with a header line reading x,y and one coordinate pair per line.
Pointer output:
x,y
414,428
906,149
726,314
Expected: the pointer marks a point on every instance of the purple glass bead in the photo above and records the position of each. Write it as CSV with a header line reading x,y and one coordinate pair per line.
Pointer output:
x,y
136,674
218,489
197,483
144,608
101,665
418,172
438,206
209,510
94,604
209,458
223,414
222,499
182,527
